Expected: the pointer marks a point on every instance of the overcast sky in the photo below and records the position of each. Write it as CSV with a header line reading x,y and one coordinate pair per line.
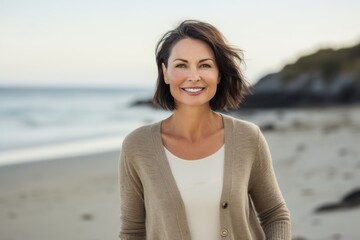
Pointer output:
x,y
108,43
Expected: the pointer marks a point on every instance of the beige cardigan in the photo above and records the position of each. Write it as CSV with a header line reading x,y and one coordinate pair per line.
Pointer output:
x,y
151,204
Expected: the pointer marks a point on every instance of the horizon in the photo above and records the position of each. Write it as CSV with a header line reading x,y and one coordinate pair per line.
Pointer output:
x,y
111,44
77,87
134,87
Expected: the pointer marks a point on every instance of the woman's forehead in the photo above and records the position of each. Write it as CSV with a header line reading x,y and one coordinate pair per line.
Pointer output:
x,y
189,48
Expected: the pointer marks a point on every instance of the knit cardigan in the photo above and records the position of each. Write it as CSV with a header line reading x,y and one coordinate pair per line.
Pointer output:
x,y
251,205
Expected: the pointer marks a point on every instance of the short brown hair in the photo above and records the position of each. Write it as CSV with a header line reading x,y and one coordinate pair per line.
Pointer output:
x,y
232,87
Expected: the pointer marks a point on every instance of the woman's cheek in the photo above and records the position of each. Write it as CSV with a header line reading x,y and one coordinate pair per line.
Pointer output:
x,y
177,76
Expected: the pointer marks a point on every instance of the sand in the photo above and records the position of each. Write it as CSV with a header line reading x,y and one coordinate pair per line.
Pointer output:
x,y
316,158
75,198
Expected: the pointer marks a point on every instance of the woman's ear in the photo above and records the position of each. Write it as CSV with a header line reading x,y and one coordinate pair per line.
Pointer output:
x,y
164,73
219,78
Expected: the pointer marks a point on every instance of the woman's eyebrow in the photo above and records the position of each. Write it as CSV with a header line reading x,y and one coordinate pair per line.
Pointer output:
x,y
206,59
180,59
202,60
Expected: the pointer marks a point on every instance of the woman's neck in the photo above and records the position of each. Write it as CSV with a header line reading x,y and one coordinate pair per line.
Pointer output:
x,y
193,124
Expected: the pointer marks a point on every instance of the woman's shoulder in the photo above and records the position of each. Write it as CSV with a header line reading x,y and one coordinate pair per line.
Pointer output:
x,y
141,135
236,124
242,132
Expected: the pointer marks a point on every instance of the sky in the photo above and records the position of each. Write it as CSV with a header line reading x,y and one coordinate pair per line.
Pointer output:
x,y
111,43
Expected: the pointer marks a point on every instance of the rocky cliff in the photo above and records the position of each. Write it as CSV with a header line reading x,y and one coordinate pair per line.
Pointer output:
x,y
327,77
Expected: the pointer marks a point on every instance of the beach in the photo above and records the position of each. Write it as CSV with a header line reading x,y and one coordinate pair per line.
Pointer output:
x,y
316,157
73,198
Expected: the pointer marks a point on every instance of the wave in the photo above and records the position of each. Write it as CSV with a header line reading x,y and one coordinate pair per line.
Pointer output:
x,y
61,150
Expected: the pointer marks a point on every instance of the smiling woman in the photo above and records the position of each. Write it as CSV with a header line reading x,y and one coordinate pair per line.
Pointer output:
x,y
199,174
218,54
191,72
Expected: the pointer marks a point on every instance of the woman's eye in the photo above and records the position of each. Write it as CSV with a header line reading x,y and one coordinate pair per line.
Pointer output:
x,y
205,65
181,65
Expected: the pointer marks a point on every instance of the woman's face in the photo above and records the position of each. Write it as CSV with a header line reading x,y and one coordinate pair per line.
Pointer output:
x,y
192,73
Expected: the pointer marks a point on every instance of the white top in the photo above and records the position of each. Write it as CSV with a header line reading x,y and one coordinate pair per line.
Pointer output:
x,y
200,185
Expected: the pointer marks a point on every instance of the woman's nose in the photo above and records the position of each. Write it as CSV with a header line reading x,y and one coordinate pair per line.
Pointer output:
x,y
194,75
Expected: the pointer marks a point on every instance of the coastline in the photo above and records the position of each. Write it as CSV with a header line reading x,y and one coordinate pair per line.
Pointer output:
x,y
60,150
315,156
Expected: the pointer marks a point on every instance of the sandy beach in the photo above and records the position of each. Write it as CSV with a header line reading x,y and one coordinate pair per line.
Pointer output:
x,y
74,198
316,157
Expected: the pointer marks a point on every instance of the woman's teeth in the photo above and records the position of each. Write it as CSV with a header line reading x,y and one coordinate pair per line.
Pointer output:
x,y
193,90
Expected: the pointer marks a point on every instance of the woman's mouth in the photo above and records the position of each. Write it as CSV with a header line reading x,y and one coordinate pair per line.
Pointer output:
x,y
193,90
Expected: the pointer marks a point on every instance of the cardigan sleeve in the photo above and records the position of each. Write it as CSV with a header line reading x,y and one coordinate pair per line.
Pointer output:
x,y
132,201
266,196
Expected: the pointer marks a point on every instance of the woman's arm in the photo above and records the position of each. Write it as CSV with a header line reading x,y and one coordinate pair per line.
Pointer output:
x,y
266,196
132,202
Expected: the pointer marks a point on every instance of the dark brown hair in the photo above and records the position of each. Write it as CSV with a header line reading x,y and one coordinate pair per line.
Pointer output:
x,y
232,87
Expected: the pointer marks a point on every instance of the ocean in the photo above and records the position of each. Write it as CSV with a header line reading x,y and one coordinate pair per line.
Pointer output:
x,y
48,123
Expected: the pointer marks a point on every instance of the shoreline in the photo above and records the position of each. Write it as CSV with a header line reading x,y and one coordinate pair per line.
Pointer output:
x,y
61,150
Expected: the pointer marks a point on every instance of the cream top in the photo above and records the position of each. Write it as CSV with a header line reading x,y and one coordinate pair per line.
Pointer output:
x,y
200,184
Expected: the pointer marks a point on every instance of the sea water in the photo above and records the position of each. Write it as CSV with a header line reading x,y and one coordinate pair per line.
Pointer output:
x,y
48,123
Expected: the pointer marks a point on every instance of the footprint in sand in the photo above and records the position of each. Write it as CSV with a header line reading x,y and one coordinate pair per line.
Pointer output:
x,y
87,217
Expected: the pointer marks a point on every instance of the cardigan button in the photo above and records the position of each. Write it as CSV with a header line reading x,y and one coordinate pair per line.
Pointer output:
x,y
224,232
224,205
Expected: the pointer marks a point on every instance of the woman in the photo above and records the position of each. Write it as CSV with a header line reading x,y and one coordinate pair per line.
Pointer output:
x,y
199,174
